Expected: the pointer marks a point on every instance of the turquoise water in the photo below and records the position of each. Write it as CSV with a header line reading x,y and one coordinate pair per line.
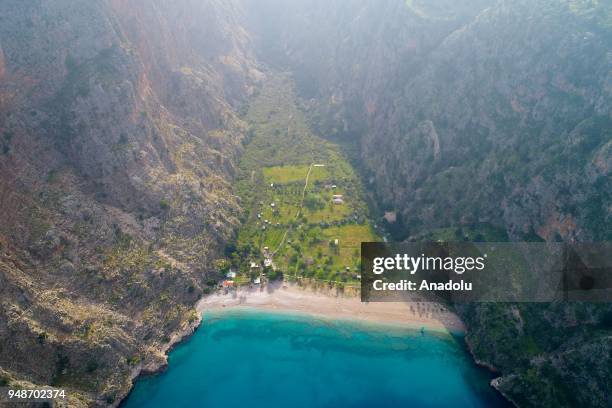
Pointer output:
x,y
253,359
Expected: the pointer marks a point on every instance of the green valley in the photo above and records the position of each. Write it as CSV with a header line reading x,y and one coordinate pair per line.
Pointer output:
x,y
305,212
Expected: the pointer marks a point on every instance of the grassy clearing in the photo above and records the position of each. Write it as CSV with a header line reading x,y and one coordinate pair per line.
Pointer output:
x,y
285,174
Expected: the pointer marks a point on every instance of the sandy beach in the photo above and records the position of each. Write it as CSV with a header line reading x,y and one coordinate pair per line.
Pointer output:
x,y
289,298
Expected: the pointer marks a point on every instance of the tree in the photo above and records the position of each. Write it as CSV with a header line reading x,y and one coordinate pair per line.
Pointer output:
x,y
606,320
163,204
313,202
222,265
275,275
42,337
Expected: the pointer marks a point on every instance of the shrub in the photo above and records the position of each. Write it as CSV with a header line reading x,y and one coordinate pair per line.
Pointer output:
x,y
92,365
135,359
42,337
606,320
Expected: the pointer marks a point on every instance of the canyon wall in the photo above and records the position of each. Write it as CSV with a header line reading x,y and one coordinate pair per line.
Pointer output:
x,y
119,129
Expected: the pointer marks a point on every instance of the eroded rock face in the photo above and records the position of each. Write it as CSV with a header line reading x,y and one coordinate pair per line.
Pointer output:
x,y
114,181
520,118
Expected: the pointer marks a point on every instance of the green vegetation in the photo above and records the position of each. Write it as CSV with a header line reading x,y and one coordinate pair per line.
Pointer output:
x,y
133,360
4,380
42,337
289,179
7,137
471,233
164,205
285,174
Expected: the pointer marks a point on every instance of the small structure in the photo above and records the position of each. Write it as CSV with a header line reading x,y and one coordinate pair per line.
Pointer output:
x,y
228,284
231,274
254,265
257,280
336,242
338,196
267,262
338,201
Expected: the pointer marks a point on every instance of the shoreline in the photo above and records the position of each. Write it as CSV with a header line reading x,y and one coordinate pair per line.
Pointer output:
x,y
293,299
158,362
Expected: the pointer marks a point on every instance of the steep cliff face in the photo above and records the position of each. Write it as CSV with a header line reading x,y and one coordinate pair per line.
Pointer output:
x,y
349,57
119,130
508,123
547,355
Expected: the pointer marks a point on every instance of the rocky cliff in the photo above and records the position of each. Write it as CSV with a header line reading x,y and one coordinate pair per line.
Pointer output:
x,y
119,128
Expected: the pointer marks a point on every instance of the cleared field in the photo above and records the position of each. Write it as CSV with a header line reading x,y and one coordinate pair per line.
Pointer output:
x,y
294,174
351,236
285,174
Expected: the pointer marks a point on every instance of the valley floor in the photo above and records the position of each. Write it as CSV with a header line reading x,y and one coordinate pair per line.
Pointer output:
x,y
306,220
291,298
305,210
